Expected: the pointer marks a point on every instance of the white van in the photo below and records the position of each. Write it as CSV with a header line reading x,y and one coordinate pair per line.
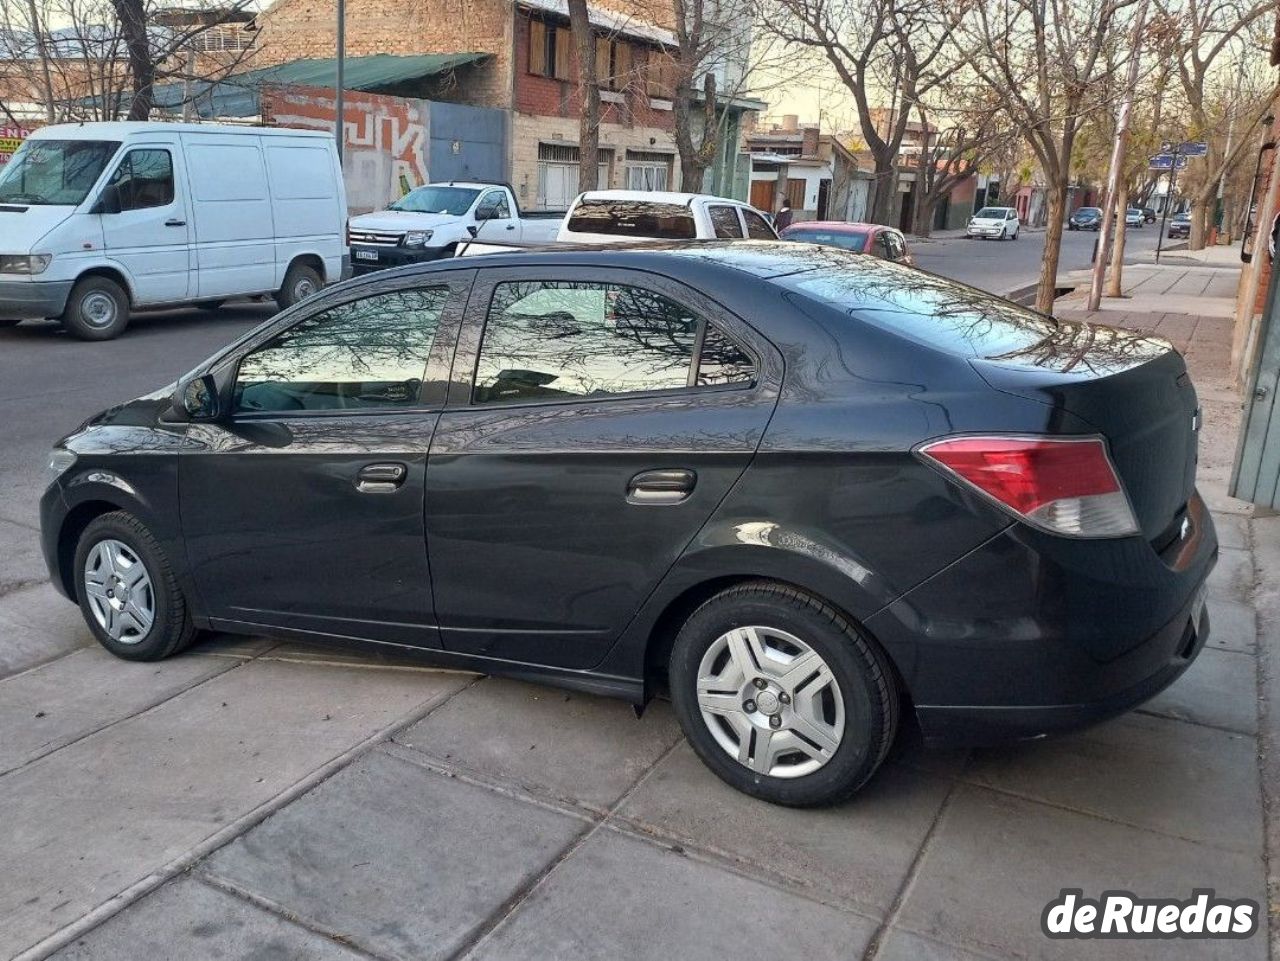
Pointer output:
x,y
100,218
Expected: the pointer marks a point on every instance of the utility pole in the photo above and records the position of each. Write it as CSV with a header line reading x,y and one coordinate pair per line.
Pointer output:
x,y
339,105
1168,200
1117,163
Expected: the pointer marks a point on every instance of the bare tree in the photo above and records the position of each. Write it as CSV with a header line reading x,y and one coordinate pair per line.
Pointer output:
x,y
1044,60
888,44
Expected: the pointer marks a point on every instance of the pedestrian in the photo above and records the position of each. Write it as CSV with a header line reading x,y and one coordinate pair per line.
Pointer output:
x,y
783,220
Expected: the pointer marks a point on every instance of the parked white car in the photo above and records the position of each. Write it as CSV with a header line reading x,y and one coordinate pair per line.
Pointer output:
x,y
97,219
1133,217
1000,223
620,216
432,221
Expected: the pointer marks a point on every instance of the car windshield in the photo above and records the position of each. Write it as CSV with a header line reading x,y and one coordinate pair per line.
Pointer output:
x,y
454,201
1088,212
992,213
634,218
54,172
830,238
1182,216
930,310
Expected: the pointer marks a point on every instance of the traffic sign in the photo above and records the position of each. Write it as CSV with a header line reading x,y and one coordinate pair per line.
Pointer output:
x,y
1188,148
1164,161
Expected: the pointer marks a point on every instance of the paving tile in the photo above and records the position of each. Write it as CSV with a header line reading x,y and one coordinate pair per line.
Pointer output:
x,y
1220,688
1194,782
902,946
396,859
85,822
21,561
188,919
619,897
995,862
858,852
1232,626
38,624
52,705
577,747
1232,576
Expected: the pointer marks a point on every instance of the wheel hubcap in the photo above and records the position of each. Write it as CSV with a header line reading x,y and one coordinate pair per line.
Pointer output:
x,y
119,590
303,289
98,309
770,701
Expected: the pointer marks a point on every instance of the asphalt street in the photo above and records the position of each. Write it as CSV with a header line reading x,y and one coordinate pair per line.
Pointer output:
x,y
50,382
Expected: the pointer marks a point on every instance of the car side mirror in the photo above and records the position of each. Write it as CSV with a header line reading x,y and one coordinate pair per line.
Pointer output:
x,y
108,200
197,399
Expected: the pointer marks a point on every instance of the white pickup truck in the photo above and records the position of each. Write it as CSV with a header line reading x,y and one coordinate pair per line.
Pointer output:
x,y
432,221
634,216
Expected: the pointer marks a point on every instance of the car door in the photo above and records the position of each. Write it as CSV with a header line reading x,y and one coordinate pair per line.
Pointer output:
x,y
595,421
302,507
145,223
494,221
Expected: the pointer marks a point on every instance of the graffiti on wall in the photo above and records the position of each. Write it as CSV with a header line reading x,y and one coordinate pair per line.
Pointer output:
x,y
10,140
385,139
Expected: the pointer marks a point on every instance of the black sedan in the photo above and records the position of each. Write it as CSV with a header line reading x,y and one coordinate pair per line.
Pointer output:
x,y
802,490
1180,225
1086,218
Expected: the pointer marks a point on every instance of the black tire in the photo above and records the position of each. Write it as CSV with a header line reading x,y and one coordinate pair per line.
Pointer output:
x,y
861,670
210,304
98,309
300,282
171,628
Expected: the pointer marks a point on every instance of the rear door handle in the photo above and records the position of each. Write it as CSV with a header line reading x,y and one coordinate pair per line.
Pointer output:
x,y
656,487
175,223
380,478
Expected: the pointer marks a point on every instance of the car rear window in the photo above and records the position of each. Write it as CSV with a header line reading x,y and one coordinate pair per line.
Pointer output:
x,y
830,238
929,310
634,218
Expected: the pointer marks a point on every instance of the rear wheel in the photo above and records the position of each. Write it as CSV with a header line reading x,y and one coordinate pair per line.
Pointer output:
x,y
781,696
300,282
97,309
127,591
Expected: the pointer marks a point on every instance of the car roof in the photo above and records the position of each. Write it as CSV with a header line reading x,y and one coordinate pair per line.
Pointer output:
x,y
656,196
122,129
836,226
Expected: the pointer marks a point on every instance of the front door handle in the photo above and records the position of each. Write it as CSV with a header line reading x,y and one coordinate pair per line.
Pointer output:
x,y
380,478
175,223
655,487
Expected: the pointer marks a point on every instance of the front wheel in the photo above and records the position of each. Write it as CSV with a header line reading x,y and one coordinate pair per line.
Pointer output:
x,y
127,591
97,309
781,696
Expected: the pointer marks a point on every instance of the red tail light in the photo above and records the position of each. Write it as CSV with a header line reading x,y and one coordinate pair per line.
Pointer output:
x,y
1063,485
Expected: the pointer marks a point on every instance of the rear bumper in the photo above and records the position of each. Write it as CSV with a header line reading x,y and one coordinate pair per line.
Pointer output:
x,y
33,299
390,257
1030,633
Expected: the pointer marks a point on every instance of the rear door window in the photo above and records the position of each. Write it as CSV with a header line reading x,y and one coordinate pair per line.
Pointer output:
x,y
757,227
725,222
634,218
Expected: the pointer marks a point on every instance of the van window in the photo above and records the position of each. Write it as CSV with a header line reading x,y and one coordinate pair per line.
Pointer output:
x,y
144,179
54,171
369,353
725,221
634,218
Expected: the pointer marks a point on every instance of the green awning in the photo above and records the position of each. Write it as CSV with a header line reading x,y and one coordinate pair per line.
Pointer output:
x,y
359,73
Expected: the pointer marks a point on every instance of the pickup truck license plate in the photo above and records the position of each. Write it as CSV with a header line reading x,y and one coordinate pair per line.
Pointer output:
x,y
366,255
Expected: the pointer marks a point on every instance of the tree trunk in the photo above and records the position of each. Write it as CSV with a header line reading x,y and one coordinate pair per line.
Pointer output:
x,y
142,69
886,184
922,215
46,76
584,42
1115,282
1047,285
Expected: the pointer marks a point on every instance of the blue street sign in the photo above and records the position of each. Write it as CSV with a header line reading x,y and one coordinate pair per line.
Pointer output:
x,y
1164,161
1188,148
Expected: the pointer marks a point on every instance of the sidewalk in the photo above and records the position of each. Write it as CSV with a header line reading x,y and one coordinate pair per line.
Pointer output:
x,y
255,799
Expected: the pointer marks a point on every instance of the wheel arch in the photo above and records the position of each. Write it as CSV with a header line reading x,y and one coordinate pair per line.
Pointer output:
x,y
308,259
111,273
73,526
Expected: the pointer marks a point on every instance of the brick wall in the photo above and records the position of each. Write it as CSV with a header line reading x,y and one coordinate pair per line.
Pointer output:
x,y
1260,252
300,29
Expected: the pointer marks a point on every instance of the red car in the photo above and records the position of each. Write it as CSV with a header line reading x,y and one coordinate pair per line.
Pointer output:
x,y
874,239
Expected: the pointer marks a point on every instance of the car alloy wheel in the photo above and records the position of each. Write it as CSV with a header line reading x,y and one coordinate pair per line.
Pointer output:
x,y
119,591
770,701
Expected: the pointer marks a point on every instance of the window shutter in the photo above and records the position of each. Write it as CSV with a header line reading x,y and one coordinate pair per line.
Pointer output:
x,y
538,47
621,65
564,49
603,74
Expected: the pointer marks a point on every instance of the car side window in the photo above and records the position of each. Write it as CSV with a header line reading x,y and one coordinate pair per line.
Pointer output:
x,y
497,199
545,340
897,246
725,221
882,248
144,179
757,227
363,355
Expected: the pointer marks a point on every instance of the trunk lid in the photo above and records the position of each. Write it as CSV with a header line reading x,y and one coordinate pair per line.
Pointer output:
x,y
1136,391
